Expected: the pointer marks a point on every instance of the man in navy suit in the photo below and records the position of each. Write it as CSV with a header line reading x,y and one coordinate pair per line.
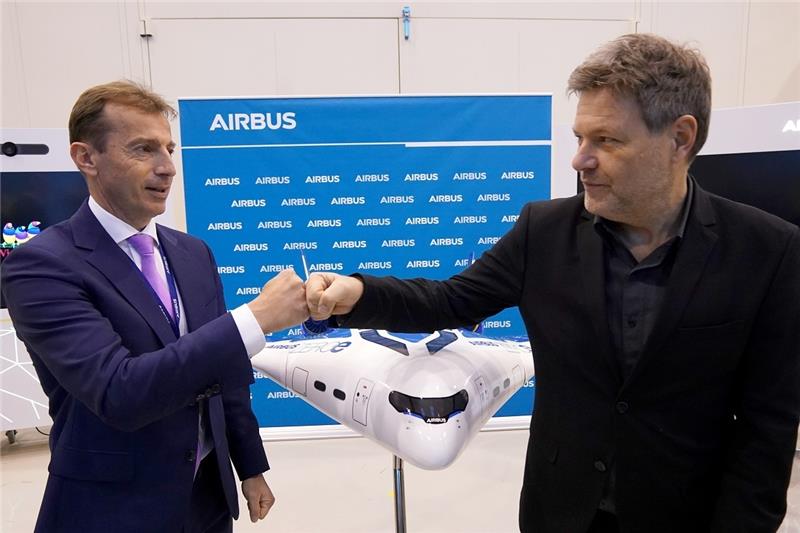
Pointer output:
x,y
147,374
664,320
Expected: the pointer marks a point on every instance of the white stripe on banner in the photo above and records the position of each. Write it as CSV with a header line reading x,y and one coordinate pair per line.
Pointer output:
x,y
429,144
433,144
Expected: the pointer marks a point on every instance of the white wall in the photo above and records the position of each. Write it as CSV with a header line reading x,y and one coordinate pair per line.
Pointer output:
x,y
51,51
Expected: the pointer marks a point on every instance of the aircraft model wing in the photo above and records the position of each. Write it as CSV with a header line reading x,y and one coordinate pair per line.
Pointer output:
x,y
422,396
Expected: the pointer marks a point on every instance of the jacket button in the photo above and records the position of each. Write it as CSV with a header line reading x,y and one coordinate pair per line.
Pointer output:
x,y
190,456
622,407
600,466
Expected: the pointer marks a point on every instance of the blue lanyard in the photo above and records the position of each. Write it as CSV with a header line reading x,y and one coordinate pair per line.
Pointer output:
x,y
173,296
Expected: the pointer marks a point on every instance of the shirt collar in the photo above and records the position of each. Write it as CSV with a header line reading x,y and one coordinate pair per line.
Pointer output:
x,y
600,222
119,230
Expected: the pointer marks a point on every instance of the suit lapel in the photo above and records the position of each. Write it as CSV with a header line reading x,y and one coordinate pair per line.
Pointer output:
x,y
687,270
108,258
590,250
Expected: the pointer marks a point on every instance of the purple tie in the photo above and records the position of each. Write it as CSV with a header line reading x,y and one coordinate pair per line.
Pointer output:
x,y
143,244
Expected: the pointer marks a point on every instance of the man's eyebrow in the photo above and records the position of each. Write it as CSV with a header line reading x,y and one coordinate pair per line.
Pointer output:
x,y
150,140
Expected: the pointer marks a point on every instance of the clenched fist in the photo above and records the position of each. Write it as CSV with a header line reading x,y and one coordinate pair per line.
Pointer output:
x,y
282,302
332,294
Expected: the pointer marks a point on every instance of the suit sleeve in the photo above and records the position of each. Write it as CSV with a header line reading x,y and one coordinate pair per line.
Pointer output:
x,y
759,460
244,440
491,284
57,317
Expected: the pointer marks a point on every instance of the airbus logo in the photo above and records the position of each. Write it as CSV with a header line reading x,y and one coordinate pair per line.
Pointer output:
x,y
272,180
253,121
274,268
280,395
250,202
214,182
248,291
224,226
325,267
791,125
275,224
238,269
251,247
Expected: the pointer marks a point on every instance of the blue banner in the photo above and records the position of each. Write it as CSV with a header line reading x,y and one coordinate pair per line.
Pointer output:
x,y
411,186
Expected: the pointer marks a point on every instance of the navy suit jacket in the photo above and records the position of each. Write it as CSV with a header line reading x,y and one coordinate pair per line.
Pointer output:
x,y
124,391
703,430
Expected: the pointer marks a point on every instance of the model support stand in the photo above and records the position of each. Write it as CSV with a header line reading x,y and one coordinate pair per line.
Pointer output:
x,y
399,497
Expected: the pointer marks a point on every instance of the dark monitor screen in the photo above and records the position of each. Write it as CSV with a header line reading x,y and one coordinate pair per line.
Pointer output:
x,y
48,197
45,197
769,181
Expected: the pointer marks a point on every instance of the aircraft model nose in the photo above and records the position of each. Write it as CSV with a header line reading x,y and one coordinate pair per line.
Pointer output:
x,y
433,446
435,429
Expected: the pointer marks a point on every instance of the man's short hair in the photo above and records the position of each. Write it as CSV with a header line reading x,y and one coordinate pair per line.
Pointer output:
x,y
666,80
87,123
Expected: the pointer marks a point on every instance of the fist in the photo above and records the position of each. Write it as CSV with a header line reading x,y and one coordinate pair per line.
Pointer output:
x,y
332,294
282,302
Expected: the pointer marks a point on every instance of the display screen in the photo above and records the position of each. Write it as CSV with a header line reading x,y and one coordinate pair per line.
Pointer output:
x,y
769,181
31,202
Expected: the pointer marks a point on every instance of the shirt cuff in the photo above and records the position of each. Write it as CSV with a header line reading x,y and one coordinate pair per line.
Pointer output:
x,y
249,330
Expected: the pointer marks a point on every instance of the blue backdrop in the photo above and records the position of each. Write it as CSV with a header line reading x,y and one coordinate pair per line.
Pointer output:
x,y
403,185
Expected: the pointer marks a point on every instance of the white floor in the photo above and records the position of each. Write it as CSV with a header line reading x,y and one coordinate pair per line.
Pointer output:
x,y
331,485
345,485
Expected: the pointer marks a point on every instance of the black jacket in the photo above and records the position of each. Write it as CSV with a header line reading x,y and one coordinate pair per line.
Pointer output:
x,y
703,430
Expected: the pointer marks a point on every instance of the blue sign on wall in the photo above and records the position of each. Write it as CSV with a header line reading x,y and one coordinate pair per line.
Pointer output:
x,y
410,186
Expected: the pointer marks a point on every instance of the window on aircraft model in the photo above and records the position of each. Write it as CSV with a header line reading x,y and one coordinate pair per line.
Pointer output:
x,y
431,410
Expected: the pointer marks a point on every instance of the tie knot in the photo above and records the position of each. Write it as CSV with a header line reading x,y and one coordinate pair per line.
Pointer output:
x,y
142,243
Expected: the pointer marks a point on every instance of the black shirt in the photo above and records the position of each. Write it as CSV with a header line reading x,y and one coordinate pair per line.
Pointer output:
x,y
635,292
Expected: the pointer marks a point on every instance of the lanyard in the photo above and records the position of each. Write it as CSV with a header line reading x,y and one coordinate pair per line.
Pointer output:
x,y
173,296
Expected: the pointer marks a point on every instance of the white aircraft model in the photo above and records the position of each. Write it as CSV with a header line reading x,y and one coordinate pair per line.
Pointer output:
x,y
422,396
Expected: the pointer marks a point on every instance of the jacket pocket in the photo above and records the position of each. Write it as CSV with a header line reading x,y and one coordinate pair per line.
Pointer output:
x,y
713,348
92,465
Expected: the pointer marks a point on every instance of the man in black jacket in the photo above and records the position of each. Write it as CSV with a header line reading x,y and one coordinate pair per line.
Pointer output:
x,y
666,378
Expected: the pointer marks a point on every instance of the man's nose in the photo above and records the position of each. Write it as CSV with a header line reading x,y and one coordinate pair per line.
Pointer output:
x,y
165,166
584,158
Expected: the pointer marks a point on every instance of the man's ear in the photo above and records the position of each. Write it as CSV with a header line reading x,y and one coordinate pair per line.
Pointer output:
x,y
84,155
684,135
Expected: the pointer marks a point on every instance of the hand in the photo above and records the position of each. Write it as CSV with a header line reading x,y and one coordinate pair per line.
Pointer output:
x,y
259,497
282,302
332,294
